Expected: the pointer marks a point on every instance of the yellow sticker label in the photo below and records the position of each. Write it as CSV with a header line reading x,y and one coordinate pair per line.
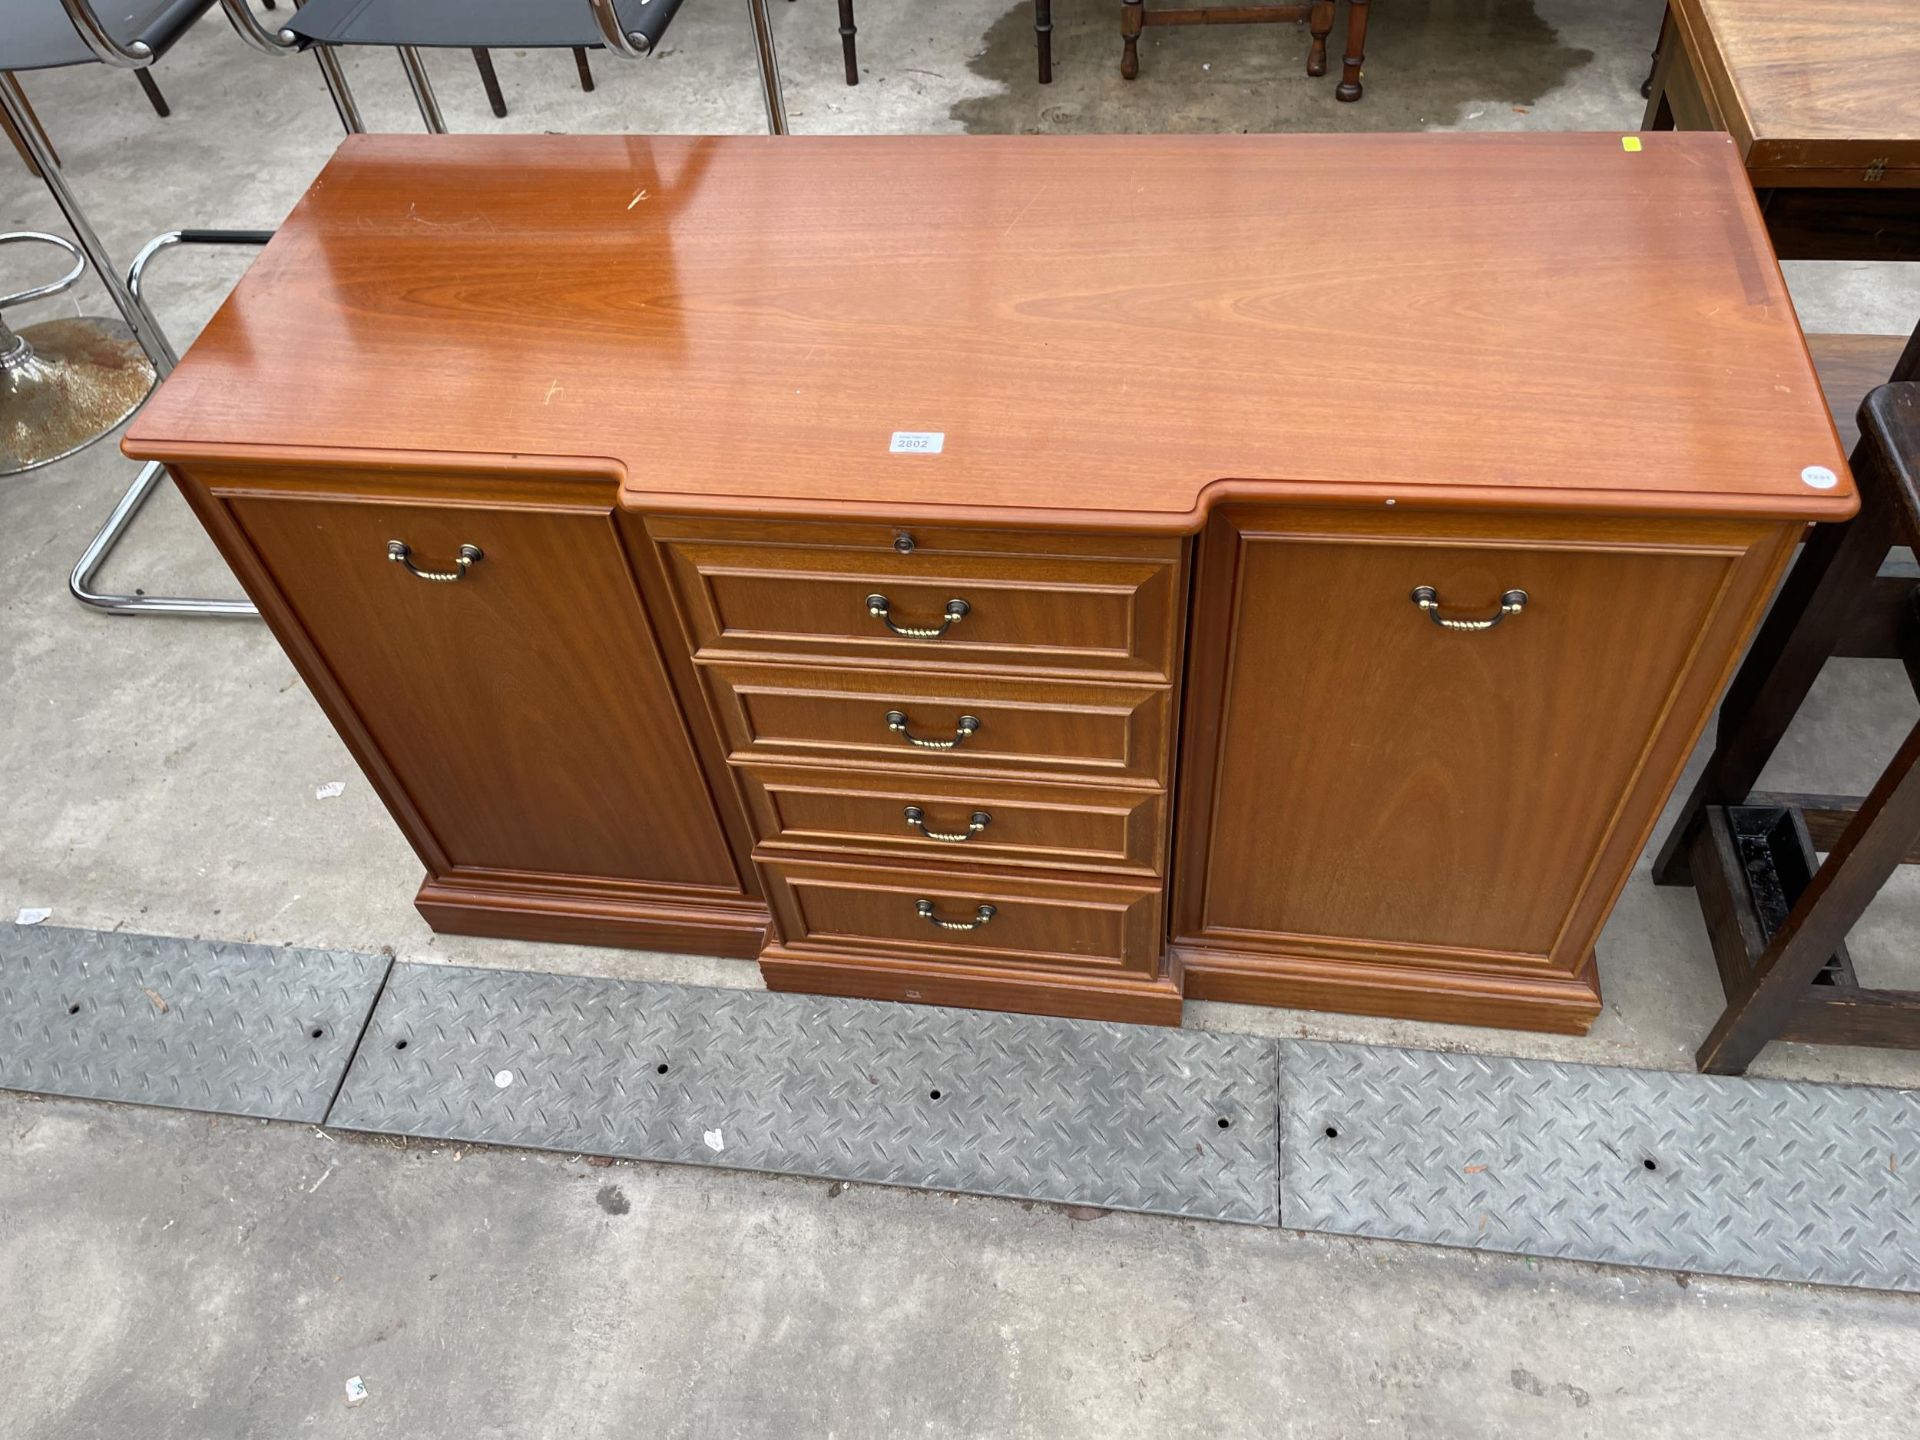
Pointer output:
x,y
1630,144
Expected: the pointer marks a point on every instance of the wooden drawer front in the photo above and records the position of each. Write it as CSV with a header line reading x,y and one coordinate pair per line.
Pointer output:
x,y
524,711
1058,924
1075,731
1405,791
808,808
1113,616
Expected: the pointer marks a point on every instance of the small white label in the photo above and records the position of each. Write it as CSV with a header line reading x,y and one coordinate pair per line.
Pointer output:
x,y
918,442
715,1140
502,1079
1819,477
33,915
356,1390
332,790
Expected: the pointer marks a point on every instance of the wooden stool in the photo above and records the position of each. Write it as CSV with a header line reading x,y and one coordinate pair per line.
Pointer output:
x,y
1777,918
1135,17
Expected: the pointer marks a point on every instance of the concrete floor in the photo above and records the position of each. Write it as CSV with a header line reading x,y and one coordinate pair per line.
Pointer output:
x,y
173,1275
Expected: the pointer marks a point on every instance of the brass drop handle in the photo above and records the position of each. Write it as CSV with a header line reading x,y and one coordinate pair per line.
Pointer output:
x,y
897,722
1428,599
980,917
400,553
881,609
917,820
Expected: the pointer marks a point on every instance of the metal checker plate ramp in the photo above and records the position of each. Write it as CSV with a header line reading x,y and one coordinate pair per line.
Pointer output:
x,y
1075,1112
193,1024
1760,1178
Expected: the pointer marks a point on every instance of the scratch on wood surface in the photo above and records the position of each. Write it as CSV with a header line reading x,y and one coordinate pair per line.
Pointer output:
x,y
552,390
638,196
1025,208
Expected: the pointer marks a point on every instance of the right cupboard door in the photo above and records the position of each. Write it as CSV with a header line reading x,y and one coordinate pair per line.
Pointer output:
x,y
1381,813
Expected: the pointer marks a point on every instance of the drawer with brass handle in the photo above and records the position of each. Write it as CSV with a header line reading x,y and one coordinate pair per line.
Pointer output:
x,y
1060,729
928,913
955,820
799,595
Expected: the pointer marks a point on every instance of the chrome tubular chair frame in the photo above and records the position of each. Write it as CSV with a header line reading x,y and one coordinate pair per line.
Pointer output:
x,y
282,42
101,546
618,41
126,298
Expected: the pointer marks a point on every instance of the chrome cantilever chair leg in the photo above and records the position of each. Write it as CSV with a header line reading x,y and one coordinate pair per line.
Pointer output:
x,y
126,299
769,63
131,503
422,88
277,41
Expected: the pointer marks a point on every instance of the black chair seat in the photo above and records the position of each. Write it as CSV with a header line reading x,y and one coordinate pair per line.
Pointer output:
x,y
37,35
464,24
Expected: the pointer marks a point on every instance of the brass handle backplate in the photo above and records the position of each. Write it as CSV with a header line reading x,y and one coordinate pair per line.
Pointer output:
x,y
400,553
980,917
1512,602
917,820
881,609
897,722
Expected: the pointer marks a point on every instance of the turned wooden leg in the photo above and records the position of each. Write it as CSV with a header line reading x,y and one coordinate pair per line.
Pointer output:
x,y
586,70
847,50
1349,86
483,61
1132,20
1319,25
1043,38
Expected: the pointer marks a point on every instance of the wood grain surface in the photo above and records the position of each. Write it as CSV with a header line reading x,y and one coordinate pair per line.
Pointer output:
x,y
1108,331
1801,84
1378,813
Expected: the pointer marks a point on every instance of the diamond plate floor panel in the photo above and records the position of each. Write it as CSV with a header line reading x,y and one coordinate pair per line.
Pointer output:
x,y
1127,1117
193,1024
1760,1178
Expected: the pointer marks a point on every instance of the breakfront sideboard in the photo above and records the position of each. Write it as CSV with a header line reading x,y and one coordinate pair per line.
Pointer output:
x,y
1039,573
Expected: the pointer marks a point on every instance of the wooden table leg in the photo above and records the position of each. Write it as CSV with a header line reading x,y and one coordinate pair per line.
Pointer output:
x,y
1043,38
847,30
1653,62
1835,569
1132,22
1872,847
1350,63
1319,26
1666,51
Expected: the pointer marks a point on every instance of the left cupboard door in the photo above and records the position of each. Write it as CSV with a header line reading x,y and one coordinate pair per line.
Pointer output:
x,y
518,703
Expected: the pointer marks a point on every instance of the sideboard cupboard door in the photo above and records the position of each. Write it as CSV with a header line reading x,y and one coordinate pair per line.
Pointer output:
x,y
521,707
1386,814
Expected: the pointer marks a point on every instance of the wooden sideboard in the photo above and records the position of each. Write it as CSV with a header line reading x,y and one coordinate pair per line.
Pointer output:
x,y
1057,574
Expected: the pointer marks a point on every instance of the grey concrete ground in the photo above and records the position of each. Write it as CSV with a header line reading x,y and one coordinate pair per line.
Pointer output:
x,y
166,1275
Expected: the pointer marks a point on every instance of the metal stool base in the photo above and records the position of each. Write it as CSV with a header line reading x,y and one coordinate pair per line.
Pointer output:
x,y
69,383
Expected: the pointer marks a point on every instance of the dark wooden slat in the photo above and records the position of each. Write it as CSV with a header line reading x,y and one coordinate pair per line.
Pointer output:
x,y
1814,605
1230,15
1843,223
1873,631
1733,928
1858,866
1826,816
1849,366
1853,1016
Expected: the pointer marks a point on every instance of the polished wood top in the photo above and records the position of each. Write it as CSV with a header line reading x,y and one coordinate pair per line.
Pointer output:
x,y
1807,84
1105,329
